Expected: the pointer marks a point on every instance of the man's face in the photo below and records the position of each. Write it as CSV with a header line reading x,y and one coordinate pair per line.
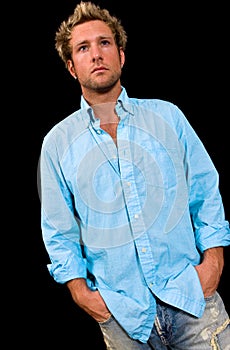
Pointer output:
x,y
96,60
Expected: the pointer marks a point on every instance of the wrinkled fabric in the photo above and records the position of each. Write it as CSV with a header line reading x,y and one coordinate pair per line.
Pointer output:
x,y
176,329
133,220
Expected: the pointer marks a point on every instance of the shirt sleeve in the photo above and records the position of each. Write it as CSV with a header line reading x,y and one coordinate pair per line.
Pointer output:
x,y
59,222
205,201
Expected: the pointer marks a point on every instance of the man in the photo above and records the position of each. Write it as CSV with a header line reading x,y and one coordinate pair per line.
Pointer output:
x,y
132,217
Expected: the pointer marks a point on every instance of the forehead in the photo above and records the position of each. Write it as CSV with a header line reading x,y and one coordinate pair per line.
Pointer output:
x,y
90,31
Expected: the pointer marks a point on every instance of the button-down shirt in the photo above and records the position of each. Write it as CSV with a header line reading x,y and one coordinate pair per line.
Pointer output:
x,y
133,218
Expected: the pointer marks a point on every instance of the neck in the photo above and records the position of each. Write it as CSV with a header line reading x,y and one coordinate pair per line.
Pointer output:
x,y
105,112
105,99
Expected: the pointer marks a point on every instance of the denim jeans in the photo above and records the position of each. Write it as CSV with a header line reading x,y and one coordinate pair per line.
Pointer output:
x,y
177,330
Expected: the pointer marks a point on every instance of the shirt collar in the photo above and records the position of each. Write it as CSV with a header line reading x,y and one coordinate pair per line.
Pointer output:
x,y
123,106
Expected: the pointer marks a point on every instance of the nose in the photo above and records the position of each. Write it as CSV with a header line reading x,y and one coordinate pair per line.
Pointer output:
x,y
96,54
96,57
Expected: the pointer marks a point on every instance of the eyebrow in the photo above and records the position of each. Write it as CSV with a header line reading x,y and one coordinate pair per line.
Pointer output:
x,y
100,37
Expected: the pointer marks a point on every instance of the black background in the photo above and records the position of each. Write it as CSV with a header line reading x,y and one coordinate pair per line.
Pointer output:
x,y
177,53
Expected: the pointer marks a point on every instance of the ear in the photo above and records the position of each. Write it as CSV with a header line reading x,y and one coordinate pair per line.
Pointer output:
x,y
122,57
71,69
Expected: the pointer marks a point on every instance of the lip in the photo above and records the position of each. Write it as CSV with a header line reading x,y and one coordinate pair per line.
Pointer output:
x,y
99,69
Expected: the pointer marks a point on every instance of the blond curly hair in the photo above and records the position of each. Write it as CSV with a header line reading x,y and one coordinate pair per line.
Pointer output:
x,y
84,12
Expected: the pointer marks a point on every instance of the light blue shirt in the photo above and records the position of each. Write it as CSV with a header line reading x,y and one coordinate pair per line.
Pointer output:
x,y
133,219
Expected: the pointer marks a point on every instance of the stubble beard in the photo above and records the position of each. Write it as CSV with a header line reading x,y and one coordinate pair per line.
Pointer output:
x,y
101,87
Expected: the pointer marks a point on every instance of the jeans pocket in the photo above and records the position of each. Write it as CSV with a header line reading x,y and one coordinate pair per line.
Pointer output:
x,y
106,321
210,297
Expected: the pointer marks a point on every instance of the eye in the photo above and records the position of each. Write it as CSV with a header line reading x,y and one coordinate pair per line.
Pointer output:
x,y
105,42
82,48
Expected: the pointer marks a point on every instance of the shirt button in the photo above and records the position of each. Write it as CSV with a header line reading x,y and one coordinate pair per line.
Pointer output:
x,y
143,250
98,132
129,183
136,216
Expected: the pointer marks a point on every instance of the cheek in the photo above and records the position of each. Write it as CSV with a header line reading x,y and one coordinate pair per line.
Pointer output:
x,y
81,66
114,59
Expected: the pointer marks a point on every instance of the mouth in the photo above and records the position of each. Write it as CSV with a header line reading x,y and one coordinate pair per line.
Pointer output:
x,y
99,70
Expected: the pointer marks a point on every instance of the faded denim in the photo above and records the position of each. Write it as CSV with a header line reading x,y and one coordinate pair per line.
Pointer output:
x,y
177,330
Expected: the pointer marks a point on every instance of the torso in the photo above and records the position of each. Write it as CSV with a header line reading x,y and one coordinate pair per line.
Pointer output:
x,y
111,129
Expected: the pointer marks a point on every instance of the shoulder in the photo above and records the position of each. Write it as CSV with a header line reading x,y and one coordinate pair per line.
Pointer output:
x,y
154,103
162,108
69,127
